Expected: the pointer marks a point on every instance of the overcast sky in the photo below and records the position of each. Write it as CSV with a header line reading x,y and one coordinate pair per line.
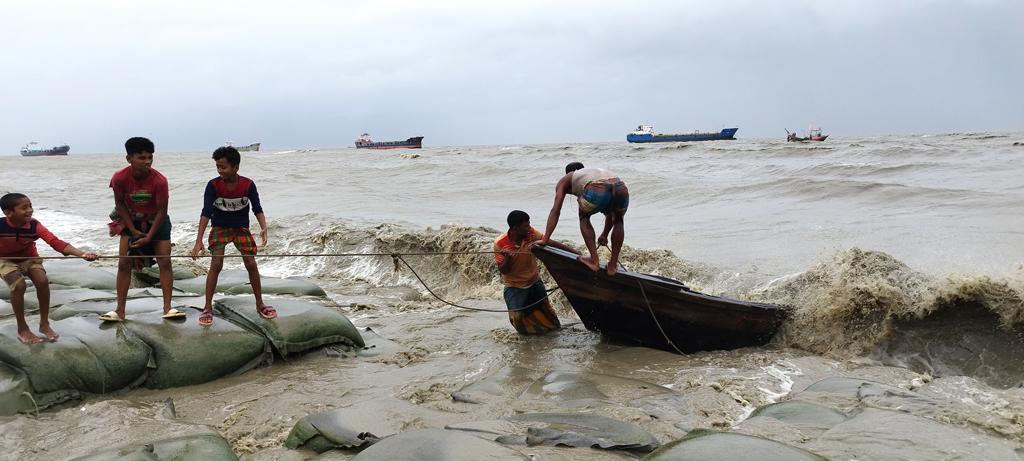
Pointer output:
x,y
192,75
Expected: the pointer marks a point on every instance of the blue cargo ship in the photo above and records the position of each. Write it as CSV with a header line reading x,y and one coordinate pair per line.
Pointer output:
x,y
645,133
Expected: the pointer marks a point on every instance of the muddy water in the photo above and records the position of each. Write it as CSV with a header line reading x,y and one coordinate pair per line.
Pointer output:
x,y
900,260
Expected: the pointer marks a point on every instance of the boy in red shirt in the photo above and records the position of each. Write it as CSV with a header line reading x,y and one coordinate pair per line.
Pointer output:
x,y
19,257
140,198
226,202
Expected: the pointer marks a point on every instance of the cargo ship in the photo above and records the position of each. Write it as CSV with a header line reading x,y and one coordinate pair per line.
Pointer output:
x,y
365,142
254,147
645,133
32,150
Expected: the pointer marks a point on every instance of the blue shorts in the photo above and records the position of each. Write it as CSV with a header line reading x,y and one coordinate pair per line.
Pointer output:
x,y
604,196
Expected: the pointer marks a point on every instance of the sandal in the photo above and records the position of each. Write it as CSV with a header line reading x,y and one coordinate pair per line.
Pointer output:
x,y
267,312
206,318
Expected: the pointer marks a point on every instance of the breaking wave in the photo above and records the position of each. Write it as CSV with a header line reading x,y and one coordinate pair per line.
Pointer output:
x,y
867,303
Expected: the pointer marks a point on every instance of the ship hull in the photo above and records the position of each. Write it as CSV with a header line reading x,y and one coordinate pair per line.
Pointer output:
x,y
411,143
59,150
725,134
254,147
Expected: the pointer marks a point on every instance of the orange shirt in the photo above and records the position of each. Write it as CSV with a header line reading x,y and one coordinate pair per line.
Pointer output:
x,y
523,271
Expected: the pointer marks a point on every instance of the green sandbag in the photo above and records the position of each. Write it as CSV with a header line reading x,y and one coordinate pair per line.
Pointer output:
x,y
321,432
437,445
152,273
705,445
237,282
78,273
132,307
88,357
187,353
15,393
299,326
205,447
58,298
574,430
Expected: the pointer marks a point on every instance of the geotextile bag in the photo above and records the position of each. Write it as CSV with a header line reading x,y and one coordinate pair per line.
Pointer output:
x,y
299,326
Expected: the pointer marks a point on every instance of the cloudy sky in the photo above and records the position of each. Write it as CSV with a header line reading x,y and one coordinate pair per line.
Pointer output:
x,y
193,74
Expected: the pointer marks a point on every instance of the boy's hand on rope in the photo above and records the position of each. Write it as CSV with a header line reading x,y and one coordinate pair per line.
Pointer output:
x,y
197,250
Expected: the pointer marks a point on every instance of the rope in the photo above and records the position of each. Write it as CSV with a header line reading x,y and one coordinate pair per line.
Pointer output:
x,y
658,324
285,255
398,257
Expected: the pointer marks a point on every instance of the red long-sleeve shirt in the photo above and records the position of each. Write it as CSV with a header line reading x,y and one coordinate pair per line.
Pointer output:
x,y
20,242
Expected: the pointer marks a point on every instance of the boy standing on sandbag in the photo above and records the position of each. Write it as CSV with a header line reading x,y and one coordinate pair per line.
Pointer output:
x,y
19,257
226,202
140,198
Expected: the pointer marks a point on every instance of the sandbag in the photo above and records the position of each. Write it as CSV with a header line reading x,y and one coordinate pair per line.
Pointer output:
x,y
132,307
88,358
299,326
437,445
237,282
78,273
321,432
186,353
206,447
15,392
566,429
705,445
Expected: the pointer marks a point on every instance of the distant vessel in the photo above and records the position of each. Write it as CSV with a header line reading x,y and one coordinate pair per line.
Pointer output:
x,y
365,142
254,147
813,134
32,150
645,133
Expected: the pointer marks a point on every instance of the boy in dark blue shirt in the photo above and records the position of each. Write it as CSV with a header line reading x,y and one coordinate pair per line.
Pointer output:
x,y
226,202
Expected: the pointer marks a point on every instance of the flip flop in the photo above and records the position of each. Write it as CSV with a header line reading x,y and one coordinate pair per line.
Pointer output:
x,y
111,317
268,312
206,318
174,314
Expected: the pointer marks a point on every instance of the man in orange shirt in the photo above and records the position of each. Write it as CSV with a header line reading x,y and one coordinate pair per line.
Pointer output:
x,y
523,286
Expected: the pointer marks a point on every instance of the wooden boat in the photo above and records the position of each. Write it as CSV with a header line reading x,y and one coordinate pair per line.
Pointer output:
x,y
658,312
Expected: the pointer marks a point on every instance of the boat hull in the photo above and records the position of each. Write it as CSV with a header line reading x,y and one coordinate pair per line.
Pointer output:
x,y
411,143
58,150
725,134
254,147
692,321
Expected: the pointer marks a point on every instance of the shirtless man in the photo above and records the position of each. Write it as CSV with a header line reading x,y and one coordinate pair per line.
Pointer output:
x,y
597,191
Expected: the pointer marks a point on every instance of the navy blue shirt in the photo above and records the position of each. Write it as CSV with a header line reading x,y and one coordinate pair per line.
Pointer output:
x,y
230,207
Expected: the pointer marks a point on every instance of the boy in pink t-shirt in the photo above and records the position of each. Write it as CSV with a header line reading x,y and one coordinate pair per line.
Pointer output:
x,y
140,198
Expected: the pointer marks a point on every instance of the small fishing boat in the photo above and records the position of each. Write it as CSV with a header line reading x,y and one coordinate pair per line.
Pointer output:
x,y
645,133
656,311
813,134
32,149
366,142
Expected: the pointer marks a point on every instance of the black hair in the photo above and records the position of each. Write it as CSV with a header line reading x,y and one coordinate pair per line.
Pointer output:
x,y
573,167
517,217
9,201
138,145
228,153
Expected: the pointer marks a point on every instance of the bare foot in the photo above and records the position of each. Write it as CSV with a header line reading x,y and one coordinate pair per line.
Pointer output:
x,y
27,337
612,269
50,334
593,265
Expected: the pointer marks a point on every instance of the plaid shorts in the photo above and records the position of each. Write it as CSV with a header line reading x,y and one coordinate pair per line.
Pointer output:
x,y
13,271
220,237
